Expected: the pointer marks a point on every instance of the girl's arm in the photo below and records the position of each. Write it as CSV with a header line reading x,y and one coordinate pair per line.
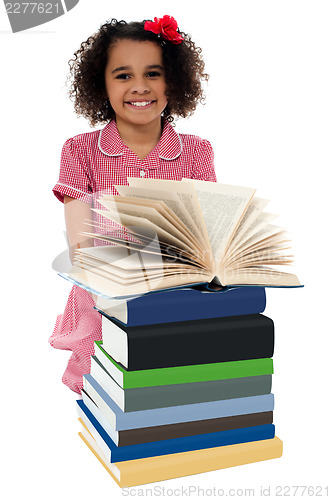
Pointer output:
x,y
76,214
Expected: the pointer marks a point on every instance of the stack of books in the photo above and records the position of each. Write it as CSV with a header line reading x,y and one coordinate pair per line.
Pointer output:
x,y
181,384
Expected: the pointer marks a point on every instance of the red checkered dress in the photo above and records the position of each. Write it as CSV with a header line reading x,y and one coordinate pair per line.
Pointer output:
x,y
91,164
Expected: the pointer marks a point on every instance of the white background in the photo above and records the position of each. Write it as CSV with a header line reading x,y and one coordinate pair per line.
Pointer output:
x,y
268,115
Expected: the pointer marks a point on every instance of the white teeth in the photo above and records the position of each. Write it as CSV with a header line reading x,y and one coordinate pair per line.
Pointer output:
x,y
140,104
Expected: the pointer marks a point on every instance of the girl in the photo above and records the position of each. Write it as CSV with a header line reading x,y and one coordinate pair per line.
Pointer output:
x,y
135,77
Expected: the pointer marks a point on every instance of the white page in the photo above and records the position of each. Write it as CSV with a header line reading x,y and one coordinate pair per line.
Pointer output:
x,y
253,211
170,198
115,206
129,221
263,220
159,205
267,231
222,206
186,194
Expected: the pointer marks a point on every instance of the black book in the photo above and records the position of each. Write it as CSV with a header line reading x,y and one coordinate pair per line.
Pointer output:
x,y
194,342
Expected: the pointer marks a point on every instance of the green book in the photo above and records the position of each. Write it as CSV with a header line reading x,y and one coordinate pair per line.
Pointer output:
x,y
179,374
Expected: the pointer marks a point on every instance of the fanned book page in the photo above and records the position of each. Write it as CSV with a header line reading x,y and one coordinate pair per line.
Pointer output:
x,y
223,207
180,233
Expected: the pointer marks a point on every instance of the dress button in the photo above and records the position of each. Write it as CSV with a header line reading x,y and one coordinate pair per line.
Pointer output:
x,y
142,173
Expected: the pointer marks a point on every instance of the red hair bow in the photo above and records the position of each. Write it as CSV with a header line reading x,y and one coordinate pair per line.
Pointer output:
x,y
166,27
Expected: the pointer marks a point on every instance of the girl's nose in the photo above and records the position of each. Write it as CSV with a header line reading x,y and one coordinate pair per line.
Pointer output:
x,y
140,86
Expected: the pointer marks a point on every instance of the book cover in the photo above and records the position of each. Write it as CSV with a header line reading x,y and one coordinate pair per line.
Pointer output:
x,y
174,414
145,398
182,429
160,468
170,446
211,340
181,374
184,304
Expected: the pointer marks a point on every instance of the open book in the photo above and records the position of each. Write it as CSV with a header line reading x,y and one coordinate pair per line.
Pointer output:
x,y
181,233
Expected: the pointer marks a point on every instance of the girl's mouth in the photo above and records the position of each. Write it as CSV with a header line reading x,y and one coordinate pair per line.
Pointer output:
x,y
140,104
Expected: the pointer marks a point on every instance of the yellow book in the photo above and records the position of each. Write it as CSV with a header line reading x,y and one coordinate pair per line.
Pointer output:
x,y
152,469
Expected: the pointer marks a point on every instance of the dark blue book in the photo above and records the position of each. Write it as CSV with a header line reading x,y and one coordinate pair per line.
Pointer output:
x,y
184,304
169,446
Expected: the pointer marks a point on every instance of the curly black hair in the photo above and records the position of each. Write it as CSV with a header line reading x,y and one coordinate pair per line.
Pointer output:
x,y
184,72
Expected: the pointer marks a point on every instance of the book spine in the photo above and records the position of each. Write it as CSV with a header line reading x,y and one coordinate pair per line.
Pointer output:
x,y
209,341
184,305
147,398
181,374
174,414
156,448
182,429
140,472
190,443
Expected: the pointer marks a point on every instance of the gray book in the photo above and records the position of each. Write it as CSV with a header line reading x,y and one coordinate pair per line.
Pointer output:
x,y
145,398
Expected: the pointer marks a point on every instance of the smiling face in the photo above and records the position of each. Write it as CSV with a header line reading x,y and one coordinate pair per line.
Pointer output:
x,y
135,82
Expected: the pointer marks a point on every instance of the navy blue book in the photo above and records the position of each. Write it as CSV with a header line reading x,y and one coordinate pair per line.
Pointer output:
x,y
168,446
184,304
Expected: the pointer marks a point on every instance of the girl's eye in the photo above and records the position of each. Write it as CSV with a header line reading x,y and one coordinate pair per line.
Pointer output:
x,y
122,76
126,76
153,74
